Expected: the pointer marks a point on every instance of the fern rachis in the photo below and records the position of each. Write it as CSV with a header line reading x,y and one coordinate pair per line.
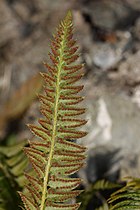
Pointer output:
x,y
54,157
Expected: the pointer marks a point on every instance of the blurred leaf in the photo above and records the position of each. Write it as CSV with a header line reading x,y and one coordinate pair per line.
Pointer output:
x,y
104,206
20,100
105,185
9,198
92,192
10,151
13,163
128,197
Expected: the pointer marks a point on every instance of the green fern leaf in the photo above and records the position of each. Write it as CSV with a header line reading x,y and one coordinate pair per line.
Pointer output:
x,y
55,156
128,197
87,196
105,185
12,163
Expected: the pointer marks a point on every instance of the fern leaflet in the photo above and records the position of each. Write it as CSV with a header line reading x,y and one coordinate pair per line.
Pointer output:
x,y
55,156
128,197
12,163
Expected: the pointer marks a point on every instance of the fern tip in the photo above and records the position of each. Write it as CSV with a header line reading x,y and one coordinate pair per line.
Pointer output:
x,y
69,13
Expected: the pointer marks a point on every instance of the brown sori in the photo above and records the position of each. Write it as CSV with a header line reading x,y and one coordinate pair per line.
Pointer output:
x,y
55,156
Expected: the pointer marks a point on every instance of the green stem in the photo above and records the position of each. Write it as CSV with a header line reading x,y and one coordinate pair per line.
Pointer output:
x,y
48,166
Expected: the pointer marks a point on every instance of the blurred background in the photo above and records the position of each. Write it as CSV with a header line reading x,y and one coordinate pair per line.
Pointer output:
x,y
108,33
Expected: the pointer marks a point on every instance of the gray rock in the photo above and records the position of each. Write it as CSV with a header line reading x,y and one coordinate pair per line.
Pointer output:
x,y
107,14
130,69
107,55
25,28
8,24
104,56
114,122
136,95
135,4
137,29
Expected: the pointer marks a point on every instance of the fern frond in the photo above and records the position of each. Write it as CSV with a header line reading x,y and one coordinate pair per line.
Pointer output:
x,y
128,197
12,164
55,156
91,193
105,185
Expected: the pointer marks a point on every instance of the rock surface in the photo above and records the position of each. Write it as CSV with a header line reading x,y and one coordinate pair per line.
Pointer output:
x,y
108,33
114,121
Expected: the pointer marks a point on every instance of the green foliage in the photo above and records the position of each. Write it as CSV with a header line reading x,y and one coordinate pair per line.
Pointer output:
x,y
128,197
105,206
105,185
94,191
12,164
55,156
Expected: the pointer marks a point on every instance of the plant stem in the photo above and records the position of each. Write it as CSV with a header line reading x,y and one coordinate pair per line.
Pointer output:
x,y
54,130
